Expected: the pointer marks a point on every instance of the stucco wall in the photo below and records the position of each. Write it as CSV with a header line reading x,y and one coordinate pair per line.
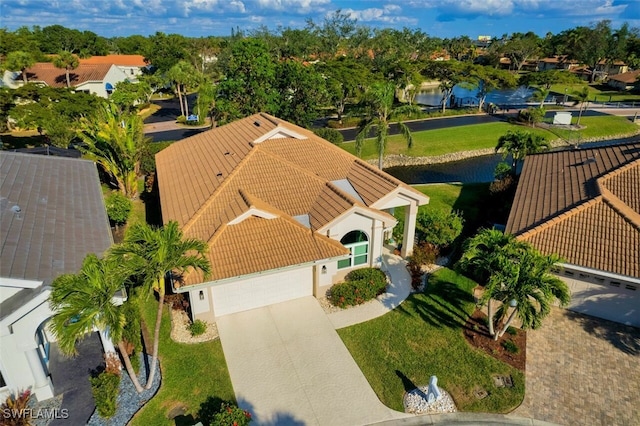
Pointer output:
x,y
114,76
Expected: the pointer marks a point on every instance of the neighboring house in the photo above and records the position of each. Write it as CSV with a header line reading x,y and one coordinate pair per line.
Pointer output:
x,y
605,68
131,65
560,62
585,206
285,213
99,79
52,215
625,81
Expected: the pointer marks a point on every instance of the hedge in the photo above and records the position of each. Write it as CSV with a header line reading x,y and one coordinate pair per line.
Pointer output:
x,y
360,286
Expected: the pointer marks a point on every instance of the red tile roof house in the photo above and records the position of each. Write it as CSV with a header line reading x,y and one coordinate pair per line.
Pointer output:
x,y
99,79
585,206
625,81
285,213
131,65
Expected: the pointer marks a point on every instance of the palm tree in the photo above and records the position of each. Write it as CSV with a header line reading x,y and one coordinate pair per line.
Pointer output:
x,y
182,74
154,253
83,302
116,141
582,98
19,60
379,100
530,289
486,257
68,61
520,144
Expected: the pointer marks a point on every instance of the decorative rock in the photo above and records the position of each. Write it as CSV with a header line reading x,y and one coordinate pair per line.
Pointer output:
x,y
180,332
416,402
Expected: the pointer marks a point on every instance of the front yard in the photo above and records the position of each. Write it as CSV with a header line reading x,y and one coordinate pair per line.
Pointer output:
x,y
423,337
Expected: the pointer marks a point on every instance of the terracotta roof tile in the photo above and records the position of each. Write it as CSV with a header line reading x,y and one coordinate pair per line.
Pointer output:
x,y
56,77
583,205
121,60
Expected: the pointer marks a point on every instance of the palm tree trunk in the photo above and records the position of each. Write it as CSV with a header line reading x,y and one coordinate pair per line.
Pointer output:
x,y
490,313
156,339
380,159
68,80
180,99
129,367
24,75
579,116
507,324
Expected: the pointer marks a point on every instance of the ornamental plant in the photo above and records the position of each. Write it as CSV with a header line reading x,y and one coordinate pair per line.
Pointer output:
x,y
118,208
360,286
104,388
197,328
13,411
231,415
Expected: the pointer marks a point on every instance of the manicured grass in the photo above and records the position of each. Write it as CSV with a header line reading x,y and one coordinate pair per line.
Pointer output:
x,y
149,111
600,93
424,337
190,374
595,127
443,141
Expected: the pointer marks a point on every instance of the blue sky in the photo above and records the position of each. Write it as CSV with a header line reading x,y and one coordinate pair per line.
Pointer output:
x,y
440,18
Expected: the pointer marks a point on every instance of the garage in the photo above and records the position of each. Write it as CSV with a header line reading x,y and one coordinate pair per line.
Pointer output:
x,y
262,290
613,300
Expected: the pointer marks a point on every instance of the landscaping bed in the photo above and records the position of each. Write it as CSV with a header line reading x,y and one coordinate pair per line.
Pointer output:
x,y
477,334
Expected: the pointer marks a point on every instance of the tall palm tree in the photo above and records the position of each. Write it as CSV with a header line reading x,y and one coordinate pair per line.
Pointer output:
x,y
582,98
520,144
116,141
153,254
19,61
68,61
83,302
183,74
379,101
530,289
486,258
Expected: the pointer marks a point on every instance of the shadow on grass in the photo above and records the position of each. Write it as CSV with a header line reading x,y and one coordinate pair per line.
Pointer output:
x,y
442,305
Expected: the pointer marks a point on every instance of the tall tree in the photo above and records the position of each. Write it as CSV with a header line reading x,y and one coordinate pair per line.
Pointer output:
x,y
486,79
519,144
83,302
302,91
68,61
155,254
183,74
519,48
379,102
582,100
346,80
591,45
19,61
448,74
115,141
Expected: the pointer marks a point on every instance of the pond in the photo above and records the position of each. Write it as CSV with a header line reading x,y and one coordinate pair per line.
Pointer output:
x,y
470,170
467,97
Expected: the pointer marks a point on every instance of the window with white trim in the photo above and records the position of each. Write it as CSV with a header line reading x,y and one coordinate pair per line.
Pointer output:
x,y
358,244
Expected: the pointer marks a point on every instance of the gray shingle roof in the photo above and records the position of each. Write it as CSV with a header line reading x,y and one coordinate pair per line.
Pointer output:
x,y
51,215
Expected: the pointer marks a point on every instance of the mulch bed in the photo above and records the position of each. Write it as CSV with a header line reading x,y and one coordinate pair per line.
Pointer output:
x,y
477,334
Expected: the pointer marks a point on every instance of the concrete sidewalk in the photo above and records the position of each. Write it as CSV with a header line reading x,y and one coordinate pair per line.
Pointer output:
x,y
288,366
397,292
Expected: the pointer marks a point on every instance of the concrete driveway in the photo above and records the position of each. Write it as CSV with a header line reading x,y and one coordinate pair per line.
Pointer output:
x,y
288,366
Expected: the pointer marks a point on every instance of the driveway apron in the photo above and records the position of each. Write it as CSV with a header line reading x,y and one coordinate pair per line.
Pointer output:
x,y
288,366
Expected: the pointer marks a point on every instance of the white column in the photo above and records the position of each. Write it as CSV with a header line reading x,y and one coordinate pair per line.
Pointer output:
x,y
410,214
37,369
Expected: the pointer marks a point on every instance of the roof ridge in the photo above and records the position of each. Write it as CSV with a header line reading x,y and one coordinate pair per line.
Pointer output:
x,y
218,190
288,162
612,200
560,218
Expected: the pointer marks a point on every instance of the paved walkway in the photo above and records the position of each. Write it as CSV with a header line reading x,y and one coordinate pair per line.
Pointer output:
x,y
582,371
289,367
397,291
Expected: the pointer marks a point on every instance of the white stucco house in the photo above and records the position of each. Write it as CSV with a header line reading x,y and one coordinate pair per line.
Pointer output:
x,y
98,79
51,215
131,65
285,213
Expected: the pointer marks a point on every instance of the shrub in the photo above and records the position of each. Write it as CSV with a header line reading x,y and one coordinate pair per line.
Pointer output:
x,y
181,119
104,388
510,347
438,227
231,415
502,170
118,207
512,330
360,285
177,301
198,327
332,135
16,408
501,185
423,254
112,363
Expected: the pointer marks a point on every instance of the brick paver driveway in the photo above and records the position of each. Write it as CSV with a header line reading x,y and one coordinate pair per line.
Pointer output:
x,y
582,371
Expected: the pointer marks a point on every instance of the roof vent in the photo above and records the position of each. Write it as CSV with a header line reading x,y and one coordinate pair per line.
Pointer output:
x,y
229,153
16,209
219,175
589,160
257,123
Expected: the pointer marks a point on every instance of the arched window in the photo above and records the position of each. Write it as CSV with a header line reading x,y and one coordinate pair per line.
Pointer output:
x,y
358,244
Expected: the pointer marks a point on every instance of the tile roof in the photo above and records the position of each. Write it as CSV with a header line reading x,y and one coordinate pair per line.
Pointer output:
x,y
626,77
62,216
212,181
583,205
120,60
56,77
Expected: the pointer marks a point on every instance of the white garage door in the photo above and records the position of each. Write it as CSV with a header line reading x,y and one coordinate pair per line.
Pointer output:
x,y
262,290
619,302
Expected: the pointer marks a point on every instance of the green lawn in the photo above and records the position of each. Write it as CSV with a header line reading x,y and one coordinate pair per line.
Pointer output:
x,y
190,374
443,141
596,127
600,93
423,337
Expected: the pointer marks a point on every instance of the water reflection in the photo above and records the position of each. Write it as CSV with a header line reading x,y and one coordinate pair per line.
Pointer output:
x,y
468,97
476,169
